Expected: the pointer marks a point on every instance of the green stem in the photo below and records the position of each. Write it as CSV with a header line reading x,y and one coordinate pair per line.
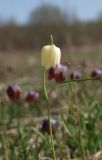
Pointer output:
x,y
80,136
51,40
79,126
77,109
49,115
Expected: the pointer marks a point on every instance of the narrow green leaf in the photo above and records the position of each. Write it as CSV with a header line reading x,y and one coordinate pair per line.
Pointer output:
x,y
76,80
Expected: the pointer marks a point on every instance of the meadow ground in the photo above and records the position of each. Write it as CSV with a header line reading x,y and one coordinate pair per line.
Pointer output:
x,y
20,123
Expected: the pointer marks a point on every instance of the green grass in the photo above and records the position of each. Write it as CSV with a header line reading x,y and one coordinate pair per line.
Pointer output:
x,y
20,123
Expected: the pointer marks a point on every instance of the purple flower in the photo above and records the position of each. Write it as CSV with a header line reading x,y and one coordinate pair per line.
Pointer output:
x,y
46,128
76,75
59,73
14,92
97,74
32,97
51,73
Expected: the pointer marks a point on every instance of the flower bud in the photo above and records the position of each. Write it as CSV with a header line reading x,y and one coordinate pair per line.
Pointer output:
x,y
51,56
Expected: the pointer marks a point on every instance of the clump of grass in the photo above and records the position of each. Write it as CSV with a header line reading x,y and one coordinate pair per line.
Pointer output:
x,y
76,105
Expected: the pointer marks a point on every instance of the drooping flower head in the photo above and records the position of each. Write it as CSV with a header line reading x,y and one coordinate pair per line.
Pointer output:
x,y
46,127
50,56
76,75
32,97
97,74
14,92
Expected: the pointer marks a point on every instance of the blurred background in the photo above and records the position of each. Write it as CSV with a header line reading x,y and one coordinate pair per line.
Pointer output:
x,y
26,25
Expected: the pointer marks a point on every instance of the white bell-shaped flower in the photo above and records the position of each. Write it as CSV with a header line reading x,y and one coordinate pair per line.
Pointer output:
x,y
51,56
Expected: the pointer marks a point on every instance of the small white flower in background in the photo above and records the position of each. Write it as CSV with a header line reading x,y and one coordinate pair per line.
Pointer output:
x,y
51,56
